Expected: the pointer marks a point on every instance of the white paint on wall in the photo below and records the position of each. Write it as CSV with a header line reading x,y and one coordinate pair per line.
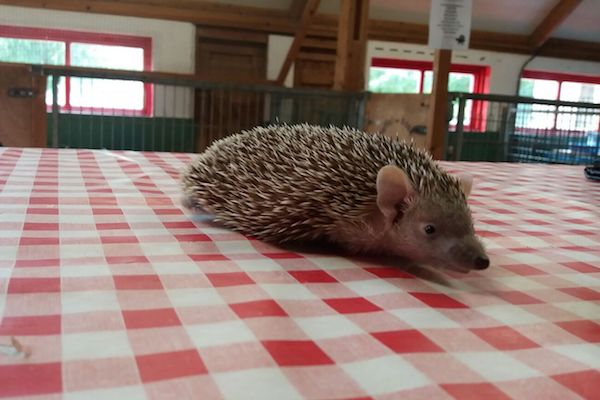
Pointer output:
x,y
278,47
504,67
173,43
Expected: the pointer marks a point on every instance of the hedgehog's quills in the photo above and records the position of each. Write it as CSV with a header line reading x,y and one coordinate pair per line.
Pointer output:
x,y
368,193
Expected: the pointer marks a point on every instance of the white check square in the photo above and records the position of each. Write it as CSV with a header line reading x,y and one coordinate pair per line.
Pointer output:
x,y
497,366
219,333
89,345
385,375
259,384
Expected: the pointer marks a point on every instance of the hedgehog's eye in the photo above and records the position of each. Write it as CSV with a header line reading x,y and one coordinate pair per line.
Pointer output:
x,y
429,229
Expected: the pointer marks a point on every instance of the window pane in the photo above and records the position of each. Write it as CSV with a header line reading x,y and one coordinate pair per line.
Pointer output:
x,y
106,93
537,116
539,89
584,92
428,82
457,82
32,51
105,56
394,80
61,91
580,119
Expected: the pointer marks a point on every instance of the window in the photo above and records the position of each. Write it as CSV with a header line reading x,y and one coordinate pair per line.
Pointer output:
x,y
403,76
82,49
554,86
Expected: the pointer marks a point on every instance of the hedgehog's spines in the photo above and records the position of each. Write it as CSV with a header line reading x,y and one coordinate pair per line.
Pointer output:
x,y
285,182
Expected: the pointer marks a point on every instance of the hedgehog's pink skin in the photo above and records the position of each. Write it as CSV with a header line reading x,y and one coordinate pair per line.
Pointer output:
x,y
367,193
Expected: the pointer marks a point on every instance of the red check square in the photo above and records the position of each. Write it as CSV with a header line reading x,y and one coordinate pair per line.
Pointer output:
x,y
389,273
34,325
193,237
43,200
504,338
260,308
229,279
136,319
475,391
312,276
40,226
39,241
352,305
581,267
30,379
582,293
288,353
208,257
179,225
586,330
407,341
517,297
156,367
48,262
283,256
137,282
34,285
112,226
438,300
584,383
118,239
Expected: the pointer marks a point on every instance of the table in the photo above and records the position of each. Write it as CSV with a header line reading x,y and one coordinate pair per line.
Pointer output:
x,y
112,290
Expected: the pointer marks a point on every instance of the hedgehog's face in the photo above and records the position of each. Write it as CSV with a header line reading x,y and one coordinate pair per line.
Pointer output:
x,y
430,230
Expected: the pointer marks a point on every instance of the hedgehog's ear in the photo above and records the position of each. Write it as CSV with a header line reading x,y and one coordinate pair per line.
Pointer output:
x,y
393,188
466,183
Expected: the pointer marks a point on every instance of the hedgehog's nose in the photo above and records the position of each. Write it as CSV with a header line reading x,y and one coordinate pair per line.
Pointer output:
x,y
482,262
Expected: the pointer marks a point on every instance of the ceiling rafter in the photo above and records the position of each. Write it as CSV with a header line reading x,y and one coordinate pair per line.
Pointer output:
x,y
552,21
278,21
308,12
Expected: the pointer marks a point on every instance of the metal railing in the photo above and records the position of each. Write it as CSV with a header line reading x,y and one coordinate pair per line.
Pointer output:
x,y
522,129
127,110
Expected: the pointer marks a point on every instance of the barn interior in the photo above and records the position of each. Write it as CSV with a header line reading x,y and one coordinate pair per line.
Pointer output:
x,y
109,287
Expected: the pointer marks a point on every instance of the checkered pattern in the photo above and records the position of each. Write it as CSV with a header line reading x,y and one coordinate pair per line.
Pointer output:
x,y
117,292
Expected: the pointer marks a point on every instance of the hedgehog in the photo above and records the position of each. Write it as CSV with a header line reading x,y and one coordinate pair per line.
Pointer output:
x,y
362,192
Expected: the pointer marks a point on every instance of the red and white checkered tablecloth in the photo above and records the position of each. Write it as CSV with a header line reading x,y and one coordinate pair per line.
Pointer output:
x,y
115,291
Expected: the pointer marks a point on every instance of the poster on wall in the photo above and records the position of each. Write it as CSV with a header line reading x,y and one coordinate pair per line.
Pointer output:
x,y
450,24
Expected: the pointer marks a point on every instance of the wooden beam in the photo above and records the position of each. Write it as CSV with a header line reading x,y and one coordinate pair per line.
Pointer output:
x,y
295,9
310,8
437,119
555,17
351,45
278,22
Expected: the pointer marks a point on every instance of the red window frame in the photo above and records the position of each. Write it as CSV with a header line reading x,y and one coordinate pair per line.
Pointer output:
x,y
481,74
68,37
560,78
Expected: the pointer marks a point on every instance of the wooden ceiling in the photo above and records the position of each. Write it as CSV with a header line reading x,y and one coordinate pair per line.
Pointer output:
x,y
240,15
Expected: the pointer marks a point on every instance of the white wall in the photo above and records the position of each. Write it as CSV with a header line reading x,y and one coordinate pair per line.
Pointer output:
x,y
504,67
277,49
173,43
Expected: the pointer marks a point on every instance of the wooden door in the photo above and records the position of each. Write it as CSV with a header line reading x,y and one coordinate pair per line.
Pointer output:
x,y
231,57
22,107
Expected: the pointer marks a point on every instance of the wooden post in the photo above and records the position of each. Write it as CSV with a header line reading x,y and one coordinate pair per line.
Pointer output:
x,y
437,120
351,45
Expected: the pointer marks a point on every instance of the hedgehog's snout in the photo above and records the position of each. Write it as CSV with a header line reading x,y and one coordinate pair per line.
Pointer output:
x,y
481,262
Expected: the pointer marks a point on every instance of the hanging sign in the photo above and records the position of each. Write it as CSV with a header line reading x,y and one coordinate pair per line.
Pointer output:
x,y
450,24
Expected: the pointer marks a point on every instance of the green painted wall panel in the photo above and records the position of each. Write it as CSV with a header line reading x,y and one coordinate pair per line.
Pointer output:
x,y
124,133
